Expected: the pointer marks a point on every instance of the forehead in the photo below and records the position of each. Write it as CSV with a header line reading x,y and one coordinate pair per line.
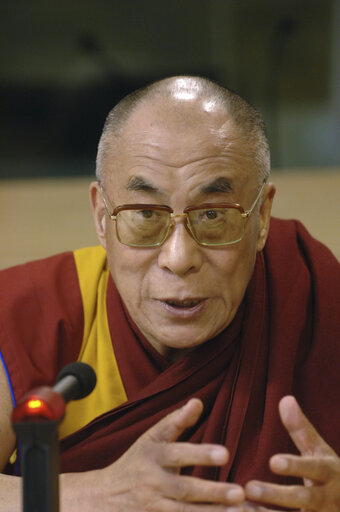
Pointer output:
x,y
176,142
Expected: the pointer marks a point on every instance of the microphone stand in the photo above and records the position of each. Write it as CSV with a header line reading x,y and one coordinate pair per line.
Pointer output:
x,y
35,421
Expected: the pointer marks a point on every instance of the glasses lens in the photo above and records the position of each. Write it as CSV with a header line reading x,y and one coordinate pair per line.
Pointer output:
x,y
217,226
142,228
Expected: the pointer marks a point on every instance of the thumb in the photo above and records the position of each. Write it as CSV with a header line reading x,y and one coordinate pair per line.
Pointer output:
x,y
173,425
303,434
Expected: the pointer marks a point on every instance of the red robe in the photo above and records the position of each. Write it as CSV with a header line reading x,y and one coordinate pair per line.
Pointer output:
x,y
284,340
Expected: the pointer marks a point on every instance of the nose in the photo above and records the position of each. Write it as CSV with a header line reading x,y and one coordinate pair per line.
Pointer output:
x,y
180,254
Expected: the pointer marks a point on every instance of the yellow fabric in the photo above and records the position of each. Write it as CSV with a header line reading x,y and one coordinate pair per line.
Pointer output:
x,y
96,349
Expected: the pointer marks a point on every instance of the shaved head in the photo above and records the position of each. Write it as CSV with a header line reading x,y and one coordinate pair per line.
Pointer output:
x,y
175,91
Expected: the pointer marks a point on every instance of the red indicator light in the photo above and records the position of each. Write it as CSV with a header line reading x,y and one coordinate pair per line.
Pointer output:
x,y
36,407
34,404
40,404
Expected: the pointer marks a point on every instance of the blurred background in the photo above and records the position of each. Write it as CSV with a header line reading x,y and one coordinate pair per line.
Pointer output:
x,y
63,65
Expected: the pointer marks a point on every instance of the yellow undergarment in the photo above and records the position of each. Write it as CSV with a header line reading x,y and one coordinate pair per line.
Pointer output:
x,y
96,349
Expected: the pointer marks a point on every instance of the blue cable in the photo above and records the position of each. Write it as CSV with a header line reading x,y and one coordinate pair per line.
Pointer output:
x,y
9,379
17,463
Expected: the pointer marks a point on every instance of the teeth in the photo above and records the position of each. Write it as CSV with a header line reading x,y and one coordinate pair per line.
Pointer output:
x,y
183,303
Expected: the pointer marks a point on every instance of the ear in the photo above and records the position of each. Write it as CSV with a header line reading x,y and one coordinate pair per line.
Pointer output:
x,y
98,212
265,211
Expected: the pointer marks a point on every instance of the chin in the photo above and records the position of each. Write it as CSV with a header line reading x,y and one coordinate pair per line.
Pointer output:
x,y
185,342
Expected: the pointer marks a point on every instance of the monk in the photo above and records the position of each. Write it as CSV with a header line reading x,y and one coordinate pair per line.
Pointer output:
x,y
211,326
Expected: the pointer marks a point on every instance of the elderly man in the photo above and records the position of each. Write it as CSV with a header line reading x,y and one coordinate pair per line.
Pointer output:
x,y
197,328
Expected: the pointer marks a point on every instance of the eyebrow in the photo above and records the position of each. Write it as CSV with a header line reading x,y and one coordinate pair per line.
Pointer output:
x,y
221,184
140,183
218,185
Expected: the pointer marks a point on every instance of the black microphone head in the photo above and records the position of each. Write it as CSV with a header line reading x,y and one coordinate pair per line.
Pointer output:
x,y
85,376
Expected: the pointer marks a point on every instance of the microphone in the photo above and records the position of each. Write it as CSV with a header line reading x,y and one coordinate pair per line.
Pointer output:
x,y
35,421
75,381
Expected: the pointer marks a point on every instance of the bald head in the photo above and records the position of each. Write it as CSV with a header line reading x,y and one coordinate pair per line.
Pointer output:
x,y
174,94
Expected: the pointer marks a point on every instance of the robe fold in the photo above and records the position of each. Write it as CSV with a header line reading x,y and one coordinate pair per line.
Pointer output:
x,y
284,340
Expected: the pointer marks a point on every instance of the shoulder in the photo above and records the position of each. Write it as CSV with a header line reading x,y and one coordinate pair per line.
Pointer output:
x,y
303,283
50,286
56,276
35,275
299,266
290,244
41,315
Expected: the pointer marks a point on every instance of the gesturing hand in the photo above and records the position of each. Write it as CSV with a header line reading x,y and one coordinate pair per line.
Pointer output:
x,y
318,465
147,478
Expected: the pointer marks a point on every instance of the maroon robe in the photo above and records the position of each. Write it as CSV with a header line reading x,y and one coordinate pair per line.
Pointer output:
x,y
284,340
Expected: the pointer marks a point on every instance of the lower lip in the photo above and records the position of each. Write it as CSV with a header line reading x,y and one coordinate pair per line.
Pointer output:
x,y
183,312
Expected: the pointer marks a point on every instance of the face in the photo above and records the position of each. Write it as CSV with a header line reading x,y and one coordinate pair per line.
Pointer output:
x,y
181,294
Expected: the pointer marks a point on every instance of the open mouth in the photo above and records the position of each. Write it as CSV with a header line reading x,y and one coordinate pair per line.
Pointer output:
x,y
182,304
185,309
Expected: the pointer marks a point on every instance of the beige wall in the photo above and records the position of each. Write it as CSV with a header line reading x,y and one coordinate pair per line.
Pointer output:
x,y
43,217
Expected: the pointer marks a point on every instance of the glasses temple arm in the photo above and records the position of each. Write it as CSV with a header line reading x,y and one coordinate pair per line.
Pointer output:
x,y
112,217
248,212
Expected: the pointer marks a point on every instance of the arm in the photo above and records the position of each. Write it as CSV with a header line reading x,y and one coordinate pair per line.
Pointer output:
x,y
318,465
10,487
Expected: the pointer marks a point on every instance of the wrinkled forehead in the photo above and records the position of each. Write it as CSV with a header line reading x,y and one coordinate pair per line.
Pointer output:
x,y
167,135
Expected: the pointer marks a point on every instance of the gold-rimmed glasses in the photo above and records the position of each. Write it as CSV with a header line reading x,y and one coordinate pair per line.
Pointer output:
x,y
210,224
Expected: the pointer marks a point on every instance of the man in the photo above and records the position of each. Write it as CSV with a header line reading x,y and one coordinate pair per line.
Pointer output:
x,y
198,332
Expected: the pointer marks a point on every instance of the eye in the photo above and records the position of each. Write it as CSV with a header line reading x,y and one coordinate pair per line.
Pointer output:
x,y
146,214
211,214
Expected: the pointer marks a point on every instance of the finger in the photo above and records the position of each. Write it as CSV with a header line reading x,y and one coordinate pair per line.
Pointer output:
x,y
292,496
173,425
253,507
195,490
301,431
318,469
175,506
174,455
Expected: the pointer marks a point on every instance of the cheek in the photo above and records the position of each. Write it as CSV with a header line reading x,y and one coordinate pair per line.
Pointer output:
x,y
235,268
130,270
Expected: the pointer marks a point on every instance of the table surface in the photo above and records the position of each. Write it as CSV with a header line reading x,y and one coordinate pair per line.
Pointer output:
x,y
47,216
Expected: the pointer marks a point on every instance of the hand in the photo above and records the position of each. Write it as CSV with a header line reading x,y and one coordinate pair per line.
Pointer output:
x,y
147,477
318,465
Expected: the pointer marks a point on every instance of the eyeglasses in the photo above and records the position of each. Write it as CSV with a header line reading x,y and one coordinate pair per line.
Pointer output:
x,y
210,224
